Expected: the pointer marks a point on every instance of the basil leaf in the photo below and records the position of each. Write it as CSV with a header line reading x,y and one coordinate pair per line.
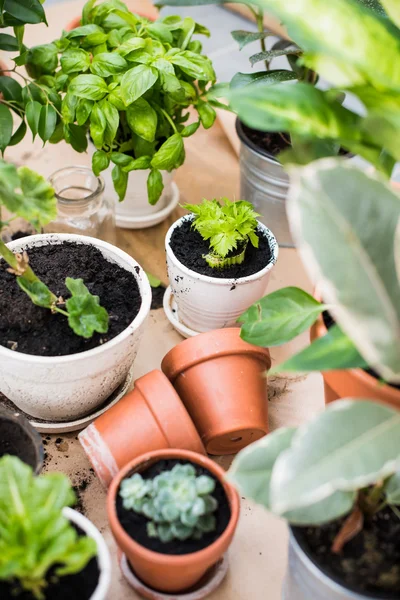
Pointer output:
x,y
75,60
47,122
138,164
42,60
142,119
32,112
111,115
6,127
136,82
100,162
206,113
120,180
155,186
169,154
84,30
98,125
107,63
190,129
121,159
91,87
83,110
160,32
68,107
76,136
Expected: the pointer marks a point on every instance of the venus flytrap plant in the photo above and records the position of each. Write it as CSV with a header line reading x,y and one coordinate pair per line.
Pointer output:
x,y
228,226
35,536
178,503
26,194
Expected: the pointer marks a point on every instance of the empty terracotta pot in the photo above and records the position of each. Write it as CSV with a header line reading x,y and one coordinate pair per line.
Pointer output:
x,y
221,380
163,572
151,417
354,383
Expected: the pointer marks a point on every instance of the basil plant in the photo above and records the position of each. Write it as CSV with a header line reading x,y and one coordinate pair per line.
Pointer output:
x,y
358,444
126,82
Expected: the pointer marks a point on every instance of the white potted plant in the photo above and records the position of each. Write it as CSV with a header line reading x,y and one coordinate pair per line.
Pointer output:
x,y
48,550
336,481
72,310
219,260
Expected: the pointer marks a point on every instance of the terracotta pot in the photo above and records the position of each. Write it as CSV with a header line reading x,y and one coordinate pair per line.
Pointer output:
x,y
220,379
151,417
354,383
171,573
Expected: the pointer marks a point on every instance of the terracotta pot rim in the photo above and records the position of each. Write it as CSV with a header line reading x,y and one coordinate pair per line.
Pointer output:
x,y
319,329
181,559
188,354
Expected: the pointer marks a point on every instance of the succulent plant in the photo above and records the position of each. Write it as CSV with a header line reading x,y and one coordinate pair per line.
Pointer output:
x,y
178,503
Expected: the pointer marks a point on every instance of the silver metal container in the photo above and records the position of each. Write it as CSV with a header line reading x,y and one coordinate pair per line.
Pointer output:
x,y
305,581
265,184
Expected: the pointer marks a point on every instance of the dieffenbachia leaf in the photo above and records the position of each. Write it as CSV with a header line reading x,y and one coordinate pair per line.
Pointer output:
x,y
353,444
36,537
393,10
270,54
247,37
268,77
280,317
349,247
392,489
85,313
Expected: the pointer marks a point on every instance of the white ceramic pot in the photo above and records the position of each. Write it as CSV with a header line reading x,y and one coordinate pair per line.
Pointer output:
x,y
103,554
207,303
136,203
64,388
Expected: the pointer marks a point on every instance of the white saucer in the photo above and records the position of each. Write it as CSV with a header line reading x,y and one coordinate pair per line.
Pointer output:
x,y
81,423
144,221
210,582
172,314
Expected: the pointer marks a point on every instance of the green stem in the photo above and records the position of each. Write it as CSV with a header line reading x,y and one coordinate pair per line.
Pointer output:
x,y
12,261
260,26
61,311
170,121
35,84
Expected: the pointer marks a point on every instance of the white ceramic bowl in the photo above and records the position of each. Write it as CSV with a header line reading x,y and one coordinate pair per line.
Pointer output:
x,y
65,388
207,303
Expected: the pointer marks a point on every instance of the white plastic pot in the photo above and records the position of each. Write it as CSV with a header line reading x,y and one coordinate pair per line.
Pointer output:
x,y
207,303
65,388
136,203
103,554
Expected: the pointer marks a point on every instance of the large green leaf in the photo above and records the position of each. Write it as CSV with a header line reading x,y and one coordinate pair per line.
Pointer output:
x,y
136,82
393,10
353,444
142,119
247,37
279,317
333,351
271,77
299,108
91,87
86,316
26,11
342,36
348,246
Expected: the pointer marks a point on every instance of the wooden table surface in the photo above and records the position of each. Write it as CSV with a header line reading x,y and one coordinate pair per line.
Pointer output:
x,y
258,552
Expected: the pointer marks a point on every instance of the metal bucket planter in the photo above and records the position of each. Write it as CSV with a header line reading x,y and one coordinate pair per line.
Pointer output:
x,y
265,184
305,581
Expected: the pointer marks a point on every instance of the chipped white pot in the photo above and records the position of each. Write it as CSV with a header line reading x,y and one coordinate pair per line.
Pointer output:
x,y
207,303
64,388
103,554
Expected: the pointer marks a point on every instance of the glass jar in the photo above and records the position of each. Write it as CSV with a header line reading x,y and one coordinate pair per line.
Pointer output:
x,y
81,206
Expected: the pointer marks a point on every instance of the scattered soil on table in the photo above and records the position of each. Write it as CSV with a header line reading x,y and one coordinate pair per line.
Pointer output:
x,y
269,142
189,248
79,586
369,564
329,322
31,329
136,525
15,441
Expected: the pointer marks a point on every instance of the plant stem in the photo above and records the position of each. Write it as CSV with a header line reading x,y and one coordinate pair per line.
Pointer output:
x,y
12,261
170,121
30,81
61,311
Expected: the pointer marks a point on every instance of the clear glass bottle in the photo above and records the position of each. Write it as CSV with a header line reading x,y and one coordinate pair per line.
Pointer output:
x,y
81,206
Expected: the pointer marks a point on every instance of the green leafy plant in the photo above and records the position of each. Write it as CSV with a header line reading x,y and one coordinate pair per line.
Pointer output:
x,y
228,227
352,249
124,80
26,194
178,503
35,536
344,462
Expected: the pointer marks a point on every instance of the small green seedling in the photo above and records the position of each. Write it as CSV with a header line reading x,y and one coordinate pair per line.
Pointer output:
x,y
178,503
228,227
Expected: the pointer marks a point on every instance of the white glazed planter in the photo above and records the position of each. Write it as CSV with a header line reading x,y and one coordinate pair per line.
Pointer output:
x,y
65,388
136,203
103,554
207,303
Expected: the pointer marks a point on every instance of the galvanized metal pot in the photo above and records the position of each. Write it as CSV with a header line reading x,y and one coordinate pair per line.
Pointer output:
x,y
265,184
305,581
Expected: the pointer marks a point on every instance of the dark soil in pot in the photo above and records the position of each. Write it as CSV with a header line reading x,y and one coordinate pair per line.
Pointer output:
x,y
136,525
369,564
15,441
189,248
79,586
270,142
31,329
328,322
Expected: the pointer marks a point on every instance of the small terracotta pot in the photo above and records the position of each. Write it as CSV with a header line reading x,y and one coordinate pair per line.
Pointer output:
x,y
220,379
151,417
353,383
171,573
